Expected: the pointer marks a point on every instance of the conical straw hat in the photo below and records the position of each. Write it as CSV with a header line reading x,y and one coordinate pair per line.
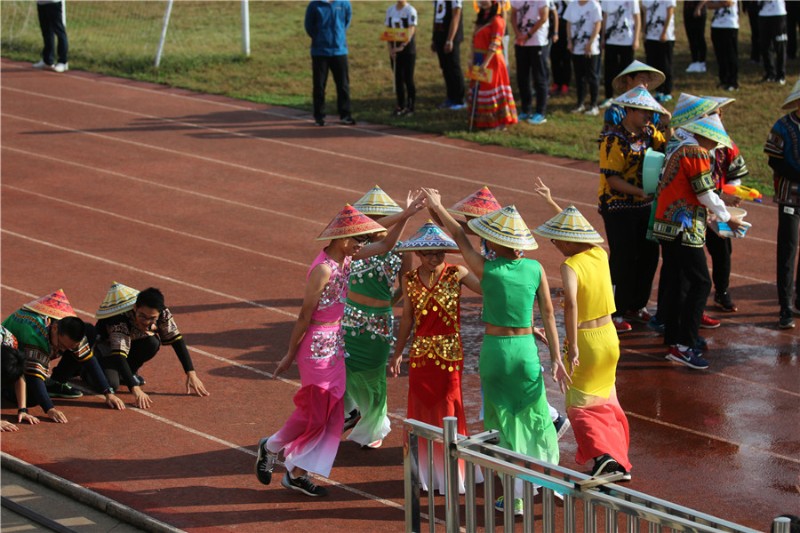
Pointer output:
x,y
350,222
569,225
477,204
377,202
54,305
721,101
640,98
428,237
119,299
791,100
689,108
711,128
504,227
656,76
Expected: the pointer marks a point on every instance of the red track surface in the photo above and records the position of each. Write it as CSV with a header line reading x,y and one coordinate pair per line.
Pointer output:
x,y
217,202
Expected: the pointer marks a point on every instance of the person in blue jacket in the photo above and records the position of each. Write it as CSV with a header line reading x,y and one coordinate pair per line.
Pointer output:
x,y
326,23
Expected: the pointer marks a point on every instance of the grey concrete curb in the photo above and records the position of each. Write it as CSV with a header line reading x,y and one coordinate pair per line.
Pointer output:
x,y
79,493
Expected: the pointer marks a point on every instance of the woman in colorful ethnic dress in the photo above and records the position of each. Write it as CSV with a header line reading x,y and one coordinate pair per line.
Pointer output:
x,y
511,377
368,326
432,308
592,344
310,437
491,104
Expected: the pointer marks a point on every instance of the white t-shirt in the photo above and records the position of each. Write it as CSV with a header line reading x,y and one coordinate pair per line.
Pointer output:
x,y
401,18
726,17
619,21
772,8
527,12
582,19
655,16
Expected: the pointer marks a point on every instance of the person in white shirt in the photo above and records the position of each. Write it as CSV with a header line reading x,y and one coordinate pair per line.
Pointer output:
x,y
403,55
619,40
584,19
725,39
772,29
51,22
659,43
530,21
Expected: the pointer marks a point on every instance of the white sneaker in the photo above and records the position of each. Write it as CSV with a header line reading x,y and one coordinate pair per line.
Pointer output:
x,y
692,67
592,112
41,64
579,109
61,67
701,67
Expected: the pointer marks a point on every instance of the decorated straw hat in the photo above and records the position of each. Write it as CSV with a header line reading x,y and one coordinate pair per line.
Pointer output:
x,y
691,107
640,98
377,202
791,100
54,305
428,237
477,204
350,222
504,227
656,76
569,225
119,299
721,101
710,127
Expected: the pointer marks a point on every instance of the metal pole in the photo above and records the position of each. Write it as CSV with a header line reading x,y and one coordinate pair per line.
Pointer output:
x,y
246,28
450,474
781,524
164,27
411,488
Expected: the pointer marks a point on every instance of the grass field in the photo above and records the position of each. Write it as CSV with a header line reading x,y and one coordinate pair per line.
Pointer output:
x,y
203,53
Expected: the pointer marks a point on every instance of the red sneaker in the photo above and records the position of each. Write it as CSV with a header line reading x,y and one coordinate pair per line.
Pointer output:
x,y
564,90
641,316
706,322
621,326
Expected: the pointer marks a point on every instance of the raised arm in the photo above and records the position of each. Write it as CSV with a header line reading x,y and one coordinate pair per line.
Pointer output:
x,y
472,257
415,203
544,191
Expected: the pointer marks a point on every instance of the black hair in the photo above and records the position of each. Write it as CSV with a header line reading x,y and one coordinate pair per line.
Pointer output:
x,y
12,365
152,298
493,12
72,327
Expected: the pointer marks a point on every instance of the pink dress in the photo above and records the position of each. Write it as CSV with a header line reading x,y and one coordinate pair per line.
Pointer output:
x,y
310,437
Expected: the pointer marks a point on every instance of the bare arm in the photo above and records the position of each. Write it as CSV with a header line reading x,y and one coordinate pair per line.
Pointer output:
x,y
406,323
544,191
469,279
416,202
570,281
549,321
472,257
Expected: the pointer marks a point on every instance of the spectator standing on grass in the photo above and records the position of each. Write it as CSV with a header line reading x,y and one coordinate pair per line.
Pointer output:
x,y
625,207
792,22
659,43
403,55
448,32
783,150
560,56
772,31
584,20
530,21
619,40
326,22
685,197
725,39
752,7
694,22
51,23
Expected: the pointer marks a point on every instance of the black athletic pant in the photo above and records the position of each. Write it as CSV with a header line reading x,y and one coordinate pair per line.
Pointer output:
x,y
561,57
792,22
617,58
726,50
587,72
337,65
451,71
532,59
404,65
695,31
687,284
659,55
720,249
788,226
51,24
752,8
773,43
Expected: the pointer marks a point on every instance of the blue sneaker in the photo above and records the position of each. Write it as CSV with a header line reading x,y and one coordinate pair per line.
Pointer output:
x,y
656,325
457,107
689,357
445,105
524,116
701,345
536,119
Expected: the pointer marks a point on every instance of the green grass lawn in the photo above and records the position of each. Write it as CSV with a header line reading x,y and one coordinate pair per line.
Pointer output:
x,y
203,53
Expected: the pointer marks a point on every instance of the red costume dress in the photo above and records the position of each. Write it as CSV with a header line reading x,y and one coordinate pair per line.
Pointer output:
x,y
495,100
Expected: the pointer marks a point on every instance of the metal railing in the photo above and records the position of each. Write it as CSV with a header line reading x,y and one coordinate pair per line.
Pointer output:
x,y
600,502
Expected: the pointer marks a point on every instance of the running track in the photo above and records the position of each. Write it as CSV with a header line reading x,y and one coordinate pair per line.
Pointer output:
x,y
217,202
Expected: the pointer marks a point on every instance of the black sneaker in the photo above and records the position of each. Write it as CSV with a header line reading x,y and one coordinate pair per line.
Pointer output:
x,y
348,121
303,484
57,389
265,462
319,121
722,300
786,320
352,419
605,464
140,381
562,424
